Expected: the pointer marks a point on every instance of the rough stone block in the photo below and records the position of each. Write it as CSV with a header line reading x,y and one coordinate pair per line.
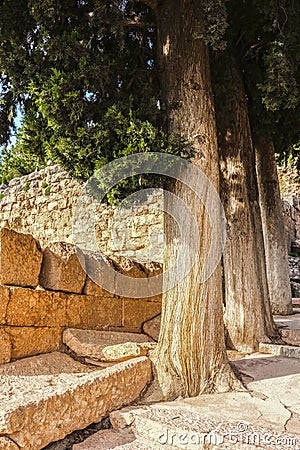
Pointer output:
x,y
97,269
4,299
61,268
154,272
107,346
20,259
138,311
37,410
152,327
87,311
5,347
131,279
124,417
288,351
29,341
7,444
28,307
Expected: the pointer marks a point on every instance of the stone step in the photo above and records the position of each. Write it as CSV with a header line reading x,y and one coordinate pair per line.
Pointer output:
x,y
107,346
289,327
46,397
290,351
296,302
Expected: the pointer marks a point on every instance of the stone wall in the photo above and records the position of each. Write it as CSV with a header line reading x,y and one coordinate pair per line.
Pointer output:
x,y
43,203
292,223
43,292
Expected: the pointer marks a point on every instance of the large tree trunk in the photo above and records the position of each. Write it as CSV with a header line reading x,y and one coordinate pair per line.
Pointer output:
x,y
191,356
248,315
273,227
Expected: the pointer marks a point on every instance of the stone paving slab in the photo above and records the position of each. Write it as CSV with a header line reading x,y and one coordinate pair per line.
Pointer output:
x,y
289,351
289,327
179,425
264,417
107,346
42,401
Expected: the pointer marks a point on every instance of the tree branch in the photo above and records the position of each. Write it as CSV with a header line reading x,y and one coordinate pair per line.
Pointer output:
x,y
130,23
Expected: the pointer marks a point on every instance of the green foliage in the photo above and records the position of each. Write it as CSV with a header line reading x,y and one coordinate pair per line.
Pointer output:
x,y
15,163
47,190
26,187
265,36
1,196
76,79
215,24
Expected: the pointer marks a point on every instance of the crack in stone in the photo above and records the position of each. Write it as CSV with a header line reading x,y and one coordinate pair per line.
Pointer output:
x,y
291,414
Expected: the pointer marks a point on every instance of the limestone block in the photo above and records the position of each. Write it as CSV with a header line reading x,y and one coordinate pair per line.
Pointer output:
x,y
138,311
152,327
54,363
29,341
128,283
5,347
61,268
37,410
107,346
124,417
28,307
7,444
97,269
4,299
87,311
20,259
154,272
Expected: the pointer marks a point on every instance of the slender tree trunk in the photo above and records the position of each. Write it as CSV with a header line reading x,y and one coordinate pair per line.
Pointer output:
x,y
273,227
248,315
191,356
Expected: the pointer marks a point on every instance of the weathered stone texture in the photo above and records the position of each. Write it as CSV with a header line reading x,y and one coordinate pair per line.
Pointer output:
x,y
4,299
28,307
131,278
152,327
107,346
20,259
5,347
137,311
33,320
87,311
61,268
98,270
7,444
43,204
39,409
29,341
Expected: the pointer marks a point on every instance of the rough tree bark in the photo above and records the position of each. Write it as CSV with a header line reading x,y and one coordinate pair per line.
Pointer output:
x,y
191,356
248,315
273,227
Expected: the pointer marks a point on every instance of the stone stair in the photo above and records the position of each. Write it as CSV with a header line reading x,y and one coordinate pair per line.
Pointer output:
x,y
107,347
264,417
44,398
289,327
